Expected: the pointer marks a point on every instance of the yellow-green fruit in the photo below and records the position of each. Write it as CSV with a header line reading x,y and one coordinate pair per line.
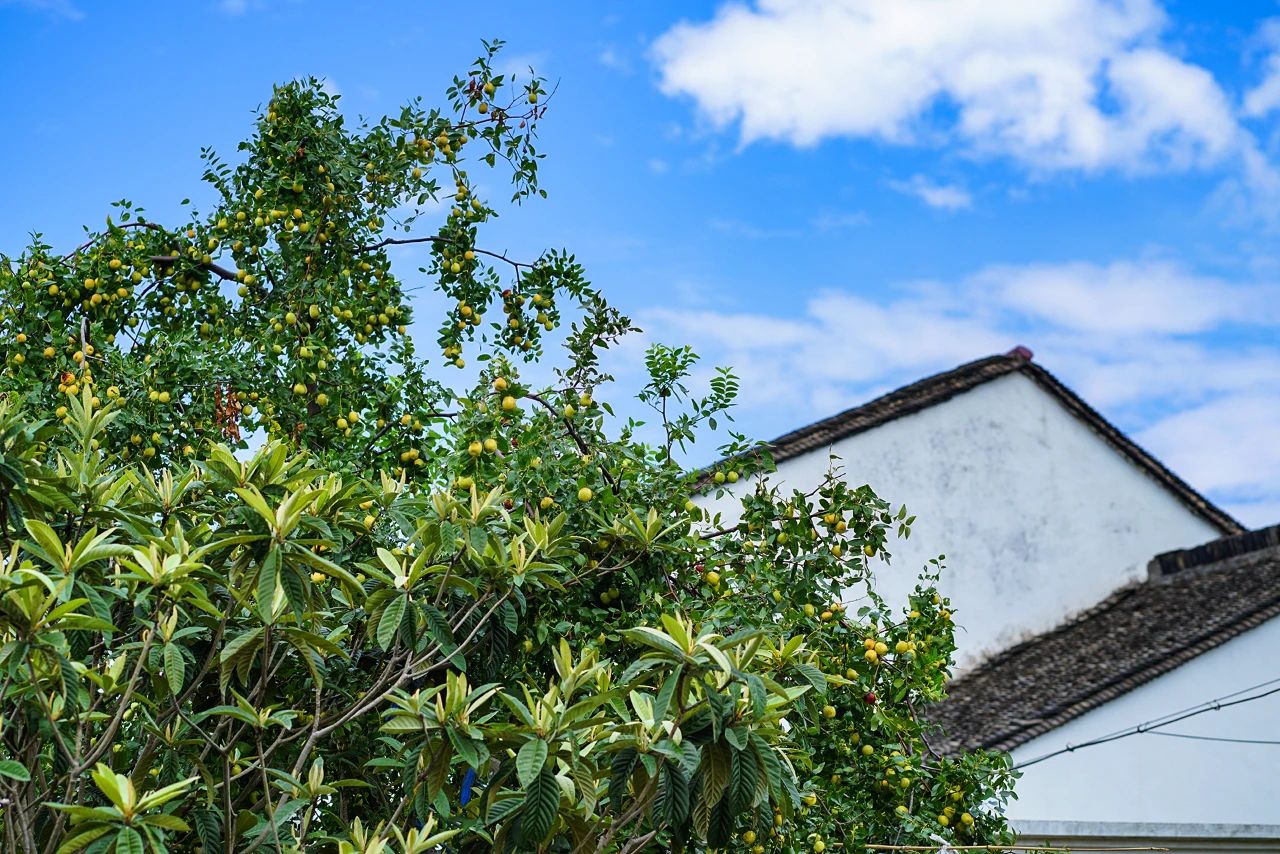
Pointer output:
x,y
749,837
713,578
585,494
475,449
499,384
718,477
368,522
322,399
317,577
867,750
290,318
491,444
809,610
869,550
828,712
732,477
299,388
546,502
163,397
509,403
809,799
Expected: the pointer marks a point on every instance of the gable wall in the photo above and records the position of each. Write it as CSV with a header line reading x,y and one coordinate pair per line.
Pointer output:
x,y
1038,516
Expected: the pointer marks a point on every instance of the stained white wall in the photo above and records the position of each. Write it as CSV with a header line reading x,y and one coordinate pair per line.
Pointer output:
x,y
1151,778
1039,518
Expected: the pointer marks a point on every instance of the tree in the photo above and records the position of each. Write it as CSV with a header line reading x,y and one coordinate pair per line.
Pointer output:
x,y
268,581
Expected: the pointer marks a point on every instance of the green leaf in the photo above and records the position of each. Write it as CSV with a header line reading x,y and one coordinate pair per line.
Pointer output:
x,y
389,623
541,803
813,676
128,841
619,774
655,639
714,770
295,590
666,692
671,803
14,771
268,577
166,821
78,841
744,774
209,829
175,668
530,760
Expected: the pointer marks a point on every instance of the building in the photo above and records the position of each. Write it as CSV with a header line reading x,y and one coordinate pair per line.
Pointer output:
x,y
1120,634
1041,507
1153,718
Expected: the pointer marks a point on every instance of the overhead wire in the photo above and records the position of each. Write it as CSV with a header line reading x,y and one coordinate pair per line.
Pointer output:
x,y
1150,727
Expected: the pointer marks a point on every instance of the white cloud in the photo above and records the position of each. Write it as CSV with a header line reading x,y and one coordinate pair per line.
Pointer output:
x,y
610,57
950,197
1228,447
1265,97
1127,297
1143,340
1053,84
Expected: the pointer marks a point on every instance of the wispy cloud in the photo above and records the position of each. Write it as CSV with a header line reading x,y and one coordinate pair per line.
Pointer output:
x,y
949,197
611,57
1138,338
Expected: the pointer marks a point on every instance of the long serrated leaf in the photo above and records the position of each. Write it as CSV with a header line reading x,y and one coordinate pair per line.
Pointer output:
x,y
389,622
541,803
530,759
128,841
175,668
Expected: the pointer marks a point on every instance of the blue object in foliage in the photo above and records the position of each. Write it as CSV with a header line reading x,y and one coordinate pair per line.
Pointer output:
x,y
467,780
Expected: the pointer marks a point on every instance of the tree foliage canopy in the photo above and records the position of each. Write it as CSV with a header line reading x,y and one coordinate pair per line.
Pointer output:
x,y
268,580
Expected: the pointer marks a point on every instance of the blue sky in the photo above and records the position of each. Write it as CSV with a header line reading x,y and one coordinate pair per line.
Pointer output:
x,y
835,196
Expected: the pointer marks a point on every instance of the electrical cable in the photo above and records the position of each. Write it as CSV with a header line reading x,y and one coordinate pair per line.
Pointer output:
x,y
1148,727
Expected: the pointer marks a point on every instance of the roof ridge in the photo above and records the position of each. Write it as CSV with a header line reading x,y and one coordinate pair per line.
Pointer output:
x,y
1214,551
940,387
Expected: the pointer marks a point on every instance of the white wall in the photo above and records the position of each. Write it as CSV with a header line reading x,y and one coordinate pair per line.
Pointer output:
x,y
1151,778
1039,518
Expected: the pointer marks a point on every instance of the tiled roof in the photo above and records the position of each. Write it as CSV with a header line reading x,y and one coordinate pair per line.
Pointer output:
x,y
940,387
1195,600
